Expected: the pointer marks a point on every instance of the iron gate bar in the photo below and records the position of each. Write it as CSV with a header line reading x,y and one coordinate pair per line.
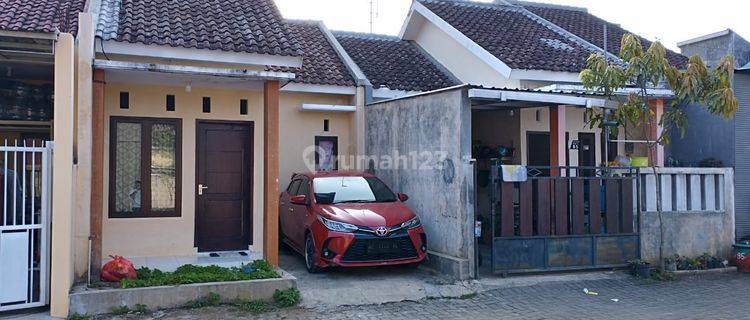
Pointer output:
x,y
31,227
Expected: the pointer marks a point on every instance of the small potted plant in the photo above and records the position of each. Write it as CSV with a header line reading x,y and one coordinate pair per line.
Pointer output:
x,y
640,268
670,263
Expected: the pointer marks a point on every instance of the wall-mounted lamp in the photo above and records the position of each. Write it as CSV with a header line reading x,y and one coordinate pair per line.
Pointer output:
x,y
189,87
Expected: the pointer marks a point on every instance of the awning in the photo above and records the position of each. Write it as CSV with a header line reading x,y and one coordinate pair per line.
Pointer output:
x,y
534,98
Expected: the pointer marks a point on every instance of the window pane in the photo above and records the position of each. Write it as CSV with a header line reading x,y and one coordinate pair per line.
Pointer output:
x,y
163,167
128,166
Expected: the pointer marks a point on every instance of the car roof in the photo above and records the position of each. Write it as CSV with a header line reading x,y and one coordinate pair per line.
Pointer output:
x,y
342,173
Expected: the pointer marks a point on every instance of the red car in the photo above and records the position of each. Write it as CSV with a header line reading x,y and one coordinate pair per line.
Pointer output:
x,y
349,219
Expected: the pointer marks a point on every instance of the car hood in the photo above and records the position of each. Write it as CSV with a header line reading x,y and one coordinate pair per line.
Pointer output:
x,y
369,214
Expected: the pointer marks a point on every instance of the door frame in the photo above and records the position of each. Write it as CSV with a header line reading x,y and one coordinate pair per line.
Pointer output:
x,y
251,166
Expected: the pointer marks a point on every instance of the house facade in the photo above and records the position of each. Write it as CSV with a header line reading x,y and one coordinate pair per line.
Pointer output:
x,y
176,123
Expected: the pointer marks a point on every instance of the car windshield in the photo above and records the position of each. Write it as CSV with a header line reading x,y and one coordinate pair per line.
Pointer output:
x,y
351,190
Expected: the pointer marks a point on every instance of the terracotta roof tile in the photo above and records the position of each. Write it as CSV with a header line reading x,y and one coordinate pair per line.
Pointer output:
x,y
320,62
393,63
512,35
40,15
591,28
251,26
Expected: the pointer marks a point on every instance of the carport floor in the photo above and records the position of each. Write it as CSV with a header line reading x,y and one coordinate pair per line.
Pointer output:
x,y
361,286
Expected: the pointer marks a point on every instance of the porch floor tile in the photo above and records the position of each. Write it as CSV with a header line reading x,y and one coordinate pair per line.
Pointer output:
x,y
170,263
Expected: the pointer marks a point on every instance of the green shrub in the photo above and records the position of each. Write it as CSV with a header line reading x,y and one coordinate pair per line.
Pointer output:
x,y
189,273
252,306
120,310
286,298
141,309
211,300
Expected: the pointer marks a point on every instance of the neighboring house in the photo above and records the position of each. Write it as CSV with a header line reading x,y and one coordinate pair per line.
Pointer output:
x,y
38,51
711,140
522,102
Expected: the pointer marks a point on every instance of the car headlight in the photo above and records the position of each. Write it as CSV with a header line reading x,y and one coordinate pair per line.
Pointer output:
x,y
412,223
337,226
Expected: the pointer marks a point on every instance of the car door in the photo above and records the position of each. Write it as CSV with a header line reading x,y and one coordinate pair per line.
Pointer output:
x,y
285,207
299,213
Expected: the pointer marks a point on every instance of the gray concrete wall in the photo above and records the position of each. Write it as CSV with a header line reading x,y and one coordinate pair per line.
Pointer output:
x,y
741,151
698,218
91,302
706,136
433,130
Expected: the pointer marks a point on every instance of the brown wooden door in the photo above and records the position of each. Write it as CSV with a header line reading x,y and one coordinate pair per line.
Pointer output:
x,y
587,152
224,163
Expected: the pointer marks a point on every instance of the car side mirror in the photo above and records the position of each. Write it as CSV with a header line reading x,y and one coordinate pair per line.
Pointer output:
x,y
403,197
299,199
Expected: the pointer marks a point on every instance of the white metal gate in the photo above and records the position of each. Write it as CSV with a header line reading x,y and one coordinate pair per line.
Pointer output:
x,y
25,198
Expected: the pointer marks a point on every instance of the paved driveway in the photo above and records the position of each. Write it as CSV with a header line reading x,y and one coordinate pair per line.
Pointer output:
x,y
718,296
358,286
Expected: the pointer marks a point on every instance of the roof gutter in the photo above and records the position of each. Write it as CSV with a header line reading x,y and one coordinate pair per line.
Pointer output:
x,y
191,70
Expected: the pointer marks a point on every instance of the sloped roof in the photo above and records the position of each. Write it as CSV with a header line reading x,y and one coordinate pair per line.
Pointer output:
x,y
249,26
320,62
40,15
591,28
393,63
513,35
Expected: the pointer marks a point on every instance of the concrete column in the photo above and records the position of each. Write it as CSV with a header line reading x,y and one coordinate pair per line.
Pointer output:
x,y
62,177
271,172
656,152
97,171
85,50
358,129
557,143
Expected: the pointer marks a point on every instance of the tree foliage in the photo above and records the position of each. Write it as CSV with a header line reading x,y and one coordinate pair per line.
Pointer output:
x,y
639,71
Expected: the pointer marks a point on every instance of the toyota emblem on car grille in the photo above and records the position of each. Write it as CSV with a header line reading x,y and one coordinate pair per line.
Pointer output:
x,y
381,231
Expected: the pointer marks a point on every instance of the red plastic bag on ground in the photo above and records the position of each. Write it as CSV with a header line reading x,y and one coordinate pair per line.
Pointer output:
x,y
117,269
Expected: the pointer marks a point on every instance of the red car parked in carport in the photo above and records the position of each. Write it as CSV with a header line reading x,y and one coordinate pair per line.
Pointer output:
x,y
349,219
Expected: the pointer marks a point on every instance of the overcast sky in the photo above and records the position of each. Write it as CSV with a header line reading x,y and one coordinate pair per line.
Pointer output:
x,y
670,21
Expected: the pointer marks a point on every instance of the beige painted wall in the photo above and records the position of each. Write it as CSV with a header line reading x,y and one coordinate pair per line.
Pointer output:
x,y
63,179
298,130
81,218
175,236
467,67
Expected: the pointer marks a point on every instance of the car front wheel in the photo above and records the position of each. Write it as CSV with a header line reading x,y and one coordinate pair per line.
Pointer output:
x,y
310,255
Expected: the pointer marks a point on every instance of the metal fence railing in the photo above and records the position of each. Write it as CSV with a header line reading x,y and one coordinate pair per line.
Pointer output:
x,y
25,206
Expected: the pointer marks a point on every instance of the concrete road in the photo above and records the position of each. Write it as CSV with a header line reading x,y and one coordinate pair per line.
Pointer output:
x,y
715,296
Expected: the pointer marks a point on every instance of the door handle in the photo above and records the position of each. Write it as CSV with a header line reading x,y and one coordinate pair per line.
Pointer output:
x,y
291,209
201,187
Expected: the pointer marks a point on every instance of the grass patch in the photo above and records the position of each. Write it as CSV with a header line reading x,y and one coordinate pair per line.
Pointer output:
x,y
253,306
77,316
187,274
211,300
467,296
141,309
120,310
286,298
